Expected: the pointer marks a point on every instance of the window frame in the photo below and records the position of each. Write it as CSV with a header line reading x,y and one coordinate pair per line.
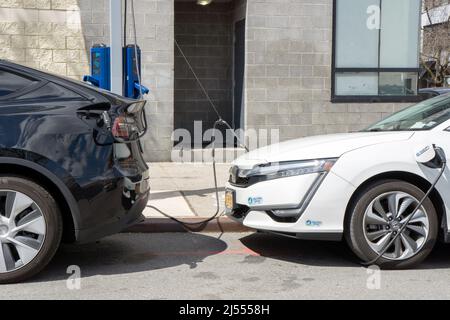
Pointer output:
x,y
364,98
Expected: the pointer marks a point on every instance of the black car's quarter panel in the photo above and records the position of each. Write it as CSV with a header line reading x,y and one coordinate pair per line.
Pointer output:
x,y
64,136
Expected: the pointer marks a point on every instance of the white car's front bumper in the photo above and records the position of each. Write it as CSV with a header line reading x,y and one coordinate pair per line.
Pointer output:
x,y
321,203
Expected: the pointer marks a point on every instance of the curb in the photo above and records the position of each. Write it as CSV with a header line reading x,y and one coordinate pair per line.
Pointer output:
x,y
166,225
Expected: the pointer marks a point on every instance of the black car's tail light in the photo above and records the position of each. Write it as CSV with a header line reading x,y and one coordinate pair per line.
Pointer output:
x,y
123,128
130,125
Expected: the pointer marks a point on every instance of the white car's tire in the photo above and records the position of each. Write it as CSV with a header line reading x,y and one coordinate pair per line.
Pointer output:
x,y
377,215
30,228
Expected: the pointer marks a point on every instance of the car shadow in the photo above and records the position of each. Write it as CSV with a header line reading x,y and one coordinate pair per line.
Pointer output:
x,y
438,259
312,253
131,253
326,254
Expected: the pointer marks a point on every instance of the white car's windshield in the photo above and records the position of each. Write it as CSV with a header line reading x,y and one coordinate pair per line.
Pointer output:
x,y
423,116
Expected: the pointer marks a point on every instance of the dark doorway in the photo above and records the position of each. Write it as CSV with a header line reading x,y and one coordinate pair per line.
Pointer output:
x,y
239,67
205,35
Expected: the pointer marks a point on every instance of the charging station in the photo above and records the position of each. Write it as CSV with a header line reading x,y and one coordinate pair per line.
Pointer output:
x,y
117,68
100,67
101,70
132,87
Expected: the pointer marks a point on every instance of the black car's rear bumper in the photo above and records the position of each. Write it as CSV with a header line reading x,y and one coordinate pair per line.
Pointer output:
x,y
133,216
120,206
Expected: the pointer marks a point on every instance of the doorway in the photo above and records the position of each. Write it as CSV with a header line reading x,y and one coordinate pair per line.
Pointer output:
x,y
214,43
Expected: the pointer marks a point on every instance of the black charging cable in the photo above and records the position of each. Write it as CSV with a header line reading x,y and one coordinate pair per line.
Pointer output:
x,y
443,164
219,121
199,224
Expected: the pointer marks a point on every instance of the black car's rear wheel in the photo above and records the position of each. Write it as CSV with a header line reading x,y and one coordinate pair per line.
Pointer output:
x,y
30,228
379,215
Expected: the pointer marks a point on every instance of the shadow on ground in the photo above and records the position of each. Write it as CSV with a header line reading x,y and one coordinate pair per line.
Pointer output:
x,y
313,253
130,253
326,254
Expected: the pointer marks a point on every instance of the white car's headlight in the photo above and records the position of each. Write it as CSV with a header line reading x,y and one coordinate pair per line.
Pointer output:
x,y
287,169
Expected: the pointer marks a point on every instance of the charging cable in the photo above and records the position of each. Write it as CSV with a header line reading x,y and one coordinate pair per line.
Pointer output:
x,y
219,121
218,213
219,116
443,162
216,187
136,57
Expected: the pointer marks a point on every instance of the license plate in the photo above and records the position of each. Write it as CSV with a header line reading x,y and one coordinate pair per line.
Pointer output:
x,y
229,200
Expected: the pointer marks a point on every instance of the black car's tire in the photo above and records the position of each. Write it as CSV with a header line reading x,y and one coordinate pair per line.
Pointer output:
x,y
53,227
359,229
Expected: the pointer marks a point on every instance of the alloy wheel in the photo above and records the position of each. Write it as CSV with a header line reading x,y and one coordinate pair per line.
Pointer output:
x,y
385,217
22,230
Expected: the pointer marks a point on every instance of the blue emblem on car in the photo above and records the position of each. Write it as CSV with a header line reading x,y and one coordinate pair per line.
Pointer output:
x,y
311,223
255,201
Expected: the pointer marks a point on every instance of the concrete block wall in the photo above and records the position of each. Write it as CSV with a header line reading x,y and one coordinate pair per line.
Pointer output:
x,y
288,61
55,35
288,72
45,34
155,36
155,23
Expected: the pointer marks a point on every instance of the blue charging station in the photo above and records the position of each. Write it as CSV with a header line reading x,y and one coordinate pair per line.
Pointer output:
x,y
100,67
132,88
101,70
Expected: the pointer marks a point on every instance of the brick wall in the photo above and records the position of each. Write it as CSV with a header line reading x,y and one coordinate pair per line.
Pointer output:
x,y
55,35
289,49
205,36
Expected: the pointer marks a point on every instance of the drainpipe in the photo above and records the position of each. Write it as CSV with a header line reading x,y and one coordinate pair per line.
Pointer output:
x,y
115,25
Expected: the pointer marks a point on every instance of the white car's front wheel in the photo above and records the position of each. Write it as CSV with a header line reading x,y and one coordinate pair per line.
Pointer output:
x,y
378,216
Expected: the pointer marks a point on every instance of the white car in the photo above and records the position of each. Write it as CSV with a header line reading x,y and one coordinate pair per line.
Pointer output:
x,y
361,187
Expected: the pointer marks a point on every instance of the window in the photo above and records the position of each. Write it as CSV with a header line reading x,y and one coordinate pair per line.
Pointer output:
x,y
376,50
11,83
50,91
425,115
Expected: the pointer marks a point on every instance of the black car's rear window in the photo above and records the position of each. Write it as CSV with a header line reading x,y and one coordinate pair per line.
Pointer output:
x,y
50,91
11,83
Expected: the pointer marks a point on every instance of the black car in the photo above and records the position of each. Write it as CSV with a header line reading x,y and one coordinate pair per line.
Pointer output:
x,y
71,166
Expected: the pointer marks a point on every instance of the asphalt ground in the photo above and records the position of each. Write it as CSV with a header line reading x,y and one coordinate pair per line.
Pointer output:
x,y
225,266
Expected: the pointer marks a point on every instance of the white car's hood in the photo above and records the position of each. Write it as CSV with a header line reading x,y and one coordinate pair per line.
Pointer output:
x,y
318,147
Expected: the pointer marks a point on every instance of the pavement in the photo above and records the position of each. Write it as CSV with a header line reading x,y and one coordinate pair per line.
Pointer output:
x,y
186,191
226,266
